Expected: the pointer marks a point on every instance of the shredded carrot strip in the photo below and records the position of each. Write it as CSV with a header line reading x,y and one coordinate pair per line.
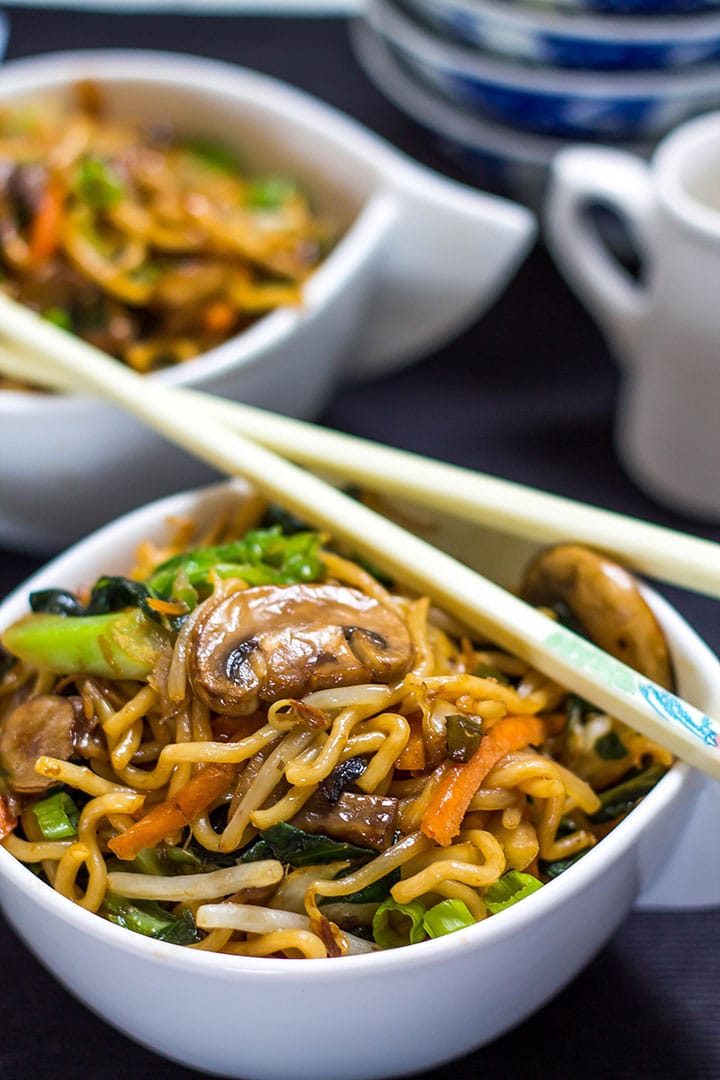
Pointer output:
x,y
166,607
218,317
413,758
449,801
208,784
45,226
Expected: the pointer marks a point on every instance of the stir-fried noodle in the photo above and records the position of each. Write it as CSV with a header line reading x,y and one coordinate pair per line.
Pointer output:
x,y
152,244
255,746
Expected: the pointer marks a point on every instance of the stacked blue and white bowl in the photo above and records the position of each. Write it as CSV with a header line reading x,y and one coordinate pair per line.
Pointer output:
x,y
503,84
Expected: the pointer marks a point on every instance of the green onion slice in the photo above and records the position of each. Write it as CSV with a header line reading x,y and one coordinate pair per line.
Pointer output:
x,y
57,816
447,917
399,924
512,886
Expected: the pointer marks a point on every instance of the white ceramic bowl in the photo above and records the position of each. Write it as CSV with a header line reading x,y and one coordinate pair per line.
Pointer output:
x,y
575,39
419,1003
575,104
421,257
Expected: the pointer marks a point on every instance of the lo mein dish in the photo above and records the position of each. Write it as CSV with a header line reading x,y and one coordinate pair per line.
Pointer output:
x,y
256,745
153,245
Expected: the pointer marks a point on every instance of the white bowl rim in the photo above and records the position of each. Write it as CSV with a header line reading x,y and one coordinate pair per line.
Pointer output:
x,y
638,29
496,929
123,65
456,60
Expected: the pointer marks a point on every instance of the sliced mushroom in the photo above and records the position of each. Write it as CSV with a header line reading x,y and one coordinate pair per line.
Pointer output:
x,y
354,818
43,725
606,601
275,641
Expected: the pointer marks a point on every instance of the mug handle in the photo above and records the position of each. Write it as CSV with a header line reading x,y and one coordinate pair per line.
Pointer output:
x,y
449,252
581,176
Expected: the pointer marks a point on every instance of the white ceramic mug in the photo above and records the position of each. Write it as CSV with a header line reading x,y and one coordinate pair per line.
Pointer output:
x,y
420,258
665,327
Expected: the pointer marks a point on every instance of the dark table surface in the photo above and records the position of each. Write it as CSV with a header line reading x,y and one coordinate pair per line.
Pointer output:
x,y
527,394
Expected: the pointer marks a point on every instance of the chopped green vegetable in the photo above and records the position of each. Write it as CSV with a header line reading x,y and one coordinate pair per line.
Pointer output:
x,y
214,154
109,594
512,886
125,645
464,735
98,183
618,800
207,859
610,747
559,866
299,848
399,924
59,316
256,851
55,602
261,557
269,192
151,920
115,593
447,917
57,816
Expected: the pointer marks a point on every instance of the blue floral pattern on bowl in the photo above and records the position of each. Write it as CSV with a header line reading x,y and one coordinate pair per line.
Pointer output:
x,y
629,7
503,159
557,114
537,37
552,101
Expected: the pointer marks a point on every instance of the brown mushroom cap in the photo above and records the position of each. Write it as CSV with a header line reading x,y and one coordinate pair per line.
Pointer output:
x,y
43,725
276,641
606,601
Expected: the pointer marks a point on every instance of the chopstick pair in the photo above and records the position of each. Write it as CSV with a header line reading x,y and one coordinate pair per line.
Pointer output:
x,y
656,551
193,421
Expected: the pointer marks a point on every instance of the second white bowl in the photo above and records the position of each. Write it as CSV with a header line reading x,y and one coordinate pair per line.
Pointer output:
x,y
420,257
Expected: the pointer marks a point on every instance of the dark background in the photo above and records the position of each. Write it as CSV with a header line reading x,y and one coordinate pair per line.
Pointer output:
x,y
527,394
